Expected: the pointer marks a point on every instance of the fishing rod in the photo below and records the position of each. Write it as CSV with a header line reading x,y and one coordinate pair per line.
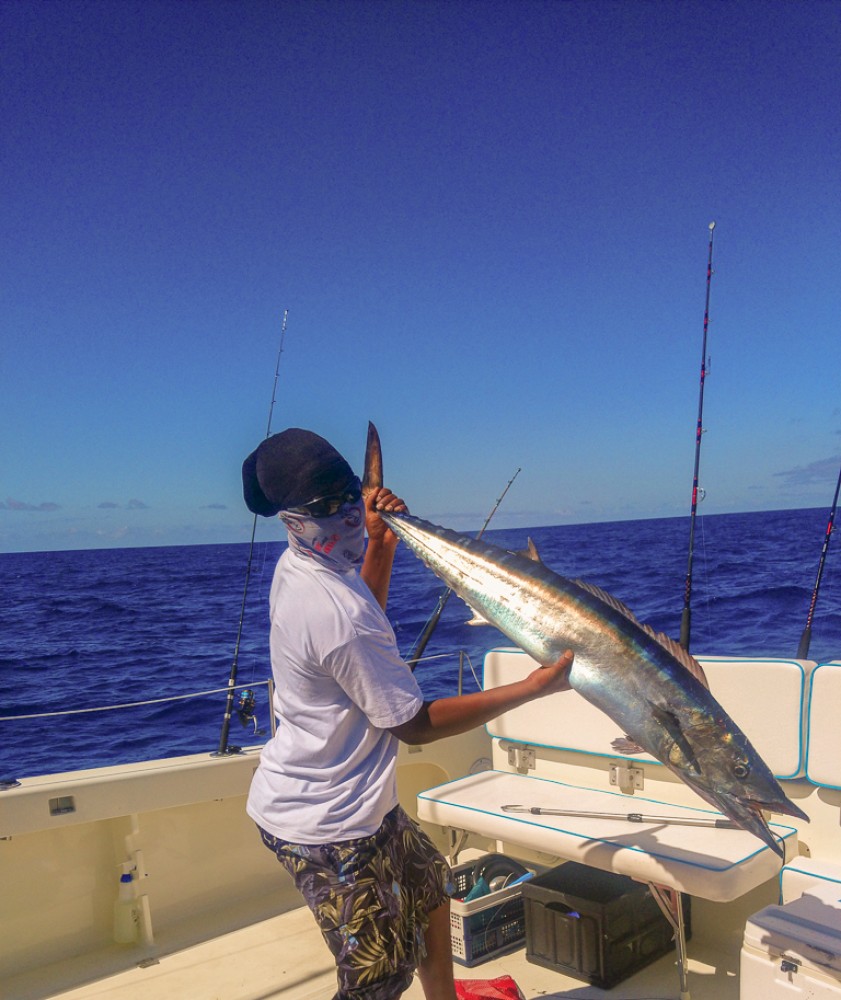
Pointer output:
x,y
224,749
432,621
806,638
686,616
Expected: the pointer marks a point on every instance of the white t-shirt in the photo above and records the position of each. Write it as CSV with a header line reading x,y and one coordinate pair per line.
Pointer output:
x,y
330,771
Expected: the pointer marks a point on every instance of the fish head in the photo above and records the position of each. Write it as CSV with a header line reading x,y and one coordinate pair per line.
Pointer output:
x,y
732,777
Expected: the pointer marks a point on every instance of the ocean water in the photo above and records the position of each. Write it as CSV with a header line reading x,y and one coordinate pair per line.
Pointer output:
x,y
98,628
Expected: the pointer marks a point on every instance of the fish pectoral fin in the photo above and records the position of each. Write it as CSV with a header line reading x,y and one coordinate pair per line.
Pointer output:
x,y
670,722
626,746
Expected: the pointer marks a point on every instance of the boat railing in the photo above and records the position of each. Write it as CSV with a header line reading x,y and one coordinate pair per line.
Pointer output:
x,y
244,708
268,683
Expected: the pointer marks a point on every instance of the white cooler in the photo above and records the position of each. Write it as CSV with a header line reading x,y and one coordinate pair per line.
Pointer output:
x,y
794,951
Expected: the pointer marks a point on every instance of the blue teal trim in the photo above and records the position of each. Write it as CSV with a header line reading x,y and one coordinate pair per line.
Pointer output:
x,y
514,818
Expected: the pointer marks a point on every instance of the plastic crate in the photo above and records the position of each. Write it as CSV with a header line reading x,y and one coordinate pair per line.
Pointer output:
x,y
485,927
594,925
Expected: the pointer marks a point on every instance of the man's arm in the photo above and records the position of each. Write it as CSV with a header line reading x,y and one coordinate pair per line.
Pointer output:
x,y
459,714
382,543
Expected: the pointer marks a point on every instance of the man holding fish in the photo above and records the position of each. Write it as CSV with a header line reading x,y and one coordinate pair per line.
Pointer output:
x,y
324,795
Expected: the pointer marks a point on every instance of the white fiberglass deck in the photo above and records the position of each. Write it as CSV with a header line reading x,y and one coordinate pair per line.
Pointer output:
x,y
284,958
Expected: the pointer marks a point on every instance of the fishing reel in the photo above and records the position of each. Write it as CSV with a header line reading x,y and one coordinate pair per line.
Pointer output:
x,y
497,871
245,710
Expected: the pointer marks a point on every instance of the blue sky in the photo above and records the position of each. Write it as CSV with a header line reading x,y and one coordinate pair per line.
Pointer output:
x,y
488,223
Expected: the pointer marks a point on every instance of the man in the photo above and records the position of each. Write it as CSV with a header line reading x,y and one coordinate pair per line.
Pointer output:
x,y
324,795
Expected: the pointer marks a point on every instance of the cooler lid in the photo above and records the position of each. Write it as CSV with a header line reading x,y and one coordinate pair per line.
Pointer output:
x,y
808,929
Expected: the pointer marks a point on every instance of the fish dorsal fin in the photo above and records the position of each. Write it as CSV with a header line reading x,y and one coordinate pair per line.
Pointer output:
x,y
530,552
678,652
683,656
608,599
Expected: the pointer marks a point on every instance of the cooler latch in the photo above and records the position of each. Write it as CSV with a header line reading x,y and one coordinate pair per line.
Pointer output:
x,y
789,965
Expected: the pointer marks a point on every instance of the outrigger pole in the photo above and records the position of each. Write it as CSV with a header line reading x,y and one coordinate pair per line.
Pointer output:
x,y
686,616
432,622
225,750
806,638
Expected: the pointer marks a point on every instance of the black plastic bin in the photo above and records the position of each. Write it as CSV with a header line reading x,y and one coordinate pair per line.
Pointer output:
x,y
594,925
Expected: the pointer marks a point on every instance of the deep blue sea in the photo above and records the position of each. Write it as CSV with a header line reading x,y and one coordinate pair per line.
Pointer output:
x,y
106,627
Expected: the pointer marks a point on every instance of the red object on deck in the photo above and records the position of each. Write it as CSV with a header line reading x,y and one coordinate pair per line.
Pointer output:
x,y
503,988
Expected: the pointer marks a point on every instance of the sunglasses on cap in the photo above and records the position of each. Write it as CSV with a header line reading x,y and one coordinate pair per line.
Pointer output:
x,y
328,506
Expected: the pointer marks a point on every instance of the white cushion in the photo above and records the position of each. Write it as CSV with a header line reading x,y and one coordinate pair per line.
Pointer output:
x,y
717,864
566,720
804,874
823,755
763,697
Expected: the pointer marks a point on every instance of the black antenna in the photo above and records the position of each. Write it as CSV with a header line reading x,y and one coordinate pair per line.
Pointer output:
x,y
432,622
686,616
225,750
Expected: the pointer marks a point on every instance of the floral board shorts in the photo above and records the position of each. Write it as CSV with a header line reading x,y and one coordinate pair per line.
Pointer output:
x,y
372,898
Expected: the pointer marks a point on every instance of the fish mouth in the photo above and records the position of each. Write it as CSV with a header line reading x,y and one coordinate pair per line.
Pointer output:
x,y
786,807
746,811
748,814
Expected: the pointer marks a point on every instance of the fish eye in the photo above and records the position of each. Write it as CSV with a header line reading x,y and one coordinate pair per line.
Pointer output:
x,y
741,770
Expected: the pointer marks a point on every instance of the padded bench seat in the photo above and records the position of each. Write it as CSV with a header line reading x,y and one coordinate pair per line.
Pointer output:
x,y
716,864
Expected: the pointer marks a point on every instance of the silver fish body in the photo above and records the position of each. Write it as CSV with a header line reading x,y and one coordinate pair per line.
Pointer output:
x,y
652,688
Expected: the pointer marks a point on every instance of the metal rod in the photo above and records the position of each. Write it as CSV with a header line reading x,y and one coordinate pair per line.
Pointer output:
x,y
432,622
686,616
806,638
632,817
671,906
224,749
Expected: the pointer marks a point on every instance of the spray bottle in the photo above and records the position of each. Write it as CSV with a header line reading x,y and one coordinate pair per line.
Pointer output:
x,y
125,912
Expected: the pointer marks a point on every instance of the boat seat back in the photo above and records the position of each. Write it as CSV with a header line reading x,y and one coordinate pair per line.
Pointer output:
x,y
823,755
765,697
565,721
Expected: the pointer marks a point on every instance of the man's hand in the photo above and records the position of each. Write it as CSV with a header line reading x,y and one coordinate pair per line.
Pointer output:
x,y
553,676
378,530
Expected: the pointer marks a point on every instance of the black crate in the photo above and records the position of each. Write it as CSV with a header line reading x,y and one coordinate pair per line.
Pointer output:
x,y
594,925
485,927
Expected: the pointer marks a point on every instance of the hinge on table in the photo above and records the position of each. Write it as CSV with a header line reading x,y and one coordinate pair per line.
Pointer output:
x,y
521,757
627,778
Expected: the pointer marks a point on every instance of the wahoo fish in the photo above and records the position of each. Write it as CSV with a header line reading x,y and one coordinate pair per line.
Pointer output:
x,y
647,683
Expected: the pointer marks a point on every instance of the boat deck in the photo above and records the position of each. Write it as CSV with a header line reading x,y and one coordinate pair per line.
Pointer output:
x,y
284,958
